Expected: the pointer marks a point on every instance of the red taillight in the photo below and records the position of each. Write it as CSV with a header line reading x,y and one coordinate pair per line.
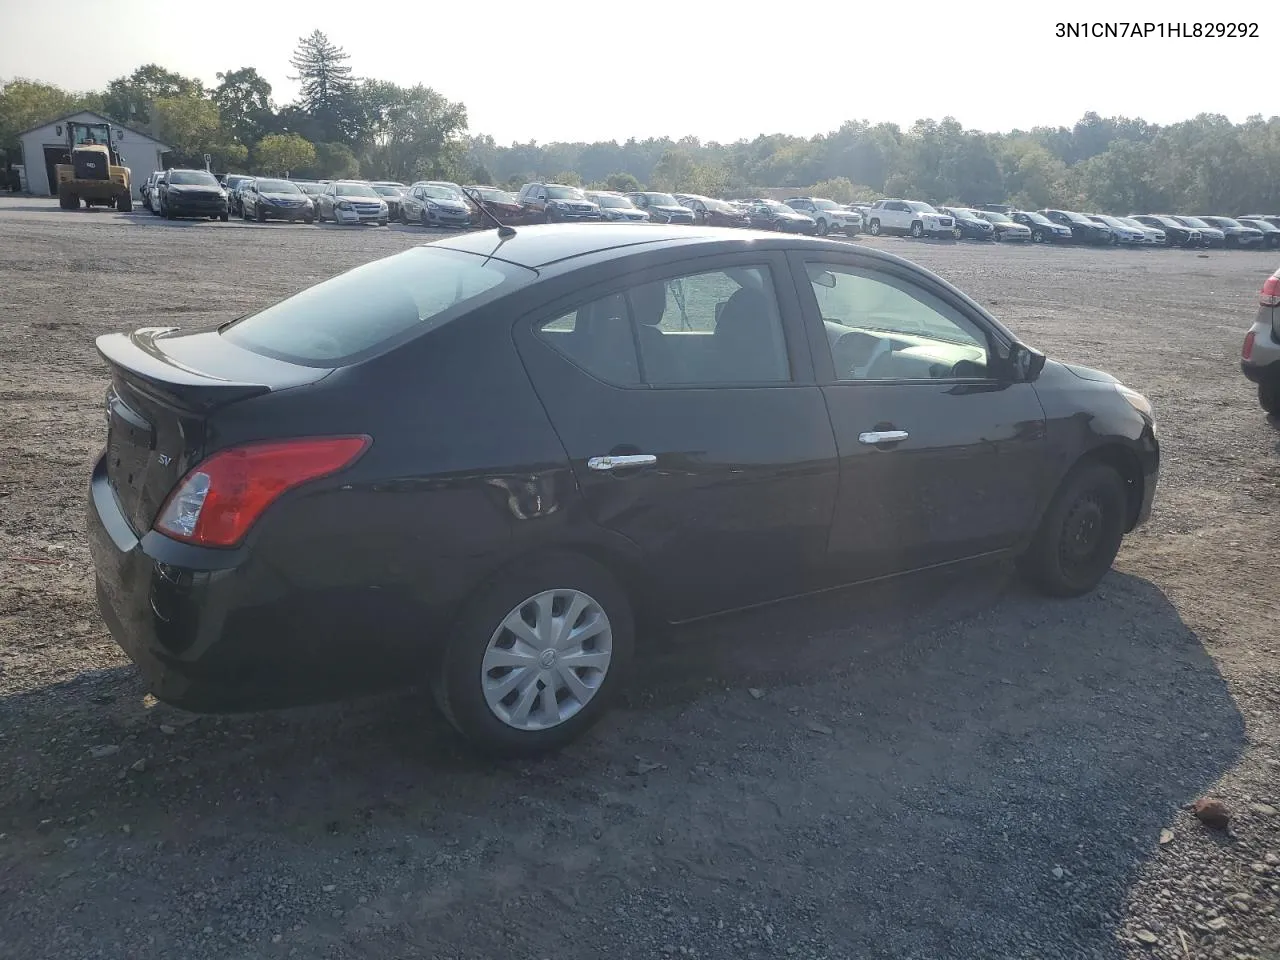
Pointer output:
x,y
1270,296
1246,353
218,500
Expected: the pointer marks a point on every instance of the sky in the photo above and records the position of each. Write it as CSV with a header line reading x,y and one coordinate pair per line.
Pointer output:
x,y
584,71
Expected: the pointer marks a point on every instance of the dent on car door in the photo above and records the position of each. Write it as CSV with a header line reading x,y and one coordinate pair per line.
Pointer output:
x,y
942,456
685,400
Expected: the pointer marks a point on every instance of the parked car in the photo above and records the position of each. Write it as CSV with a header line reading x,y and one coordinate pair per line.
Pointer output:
x,y
435,205
1083,230
828,215
556,203
1270,231
453,457
1004,227
191,193
616,207
1176,233
1272,219
968,225
1260,356
148,190
1043,230
232,185
313,189
714,213
266,199
768,214
661,207
503,204
392,192
1121,233
908,217
351,201
1235,233
1210,235
1152,236
1003,208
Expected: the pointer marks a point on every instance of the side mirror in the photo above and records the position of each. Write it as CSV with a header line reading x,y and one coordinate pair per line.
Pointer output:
x,y
1025,362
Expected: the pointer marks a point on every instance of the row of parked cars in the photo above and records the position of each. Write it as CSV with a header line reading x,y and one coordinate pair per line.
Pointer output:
x,y
442,203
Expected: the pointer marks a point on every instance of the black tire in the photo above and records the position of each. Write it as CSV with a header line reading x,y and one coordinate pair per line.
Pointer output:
x,y
874,228
1080,533
423,218
823,228
124,203
308,220
68,201
997,236
261,215
917,230
1037,236
957,233
167,212
224,216
456,683
404,217
1269,397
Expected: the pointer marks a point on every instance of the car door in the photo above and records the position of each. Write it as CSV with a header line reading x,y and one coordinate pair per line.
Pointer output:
x,y
942,455
684,397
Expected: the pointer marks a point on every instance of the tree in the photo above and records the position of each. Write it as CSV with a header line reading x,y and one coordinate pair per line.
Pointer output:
x,y
129,99
569,177
327,90
480,174
419,135
244,102
28,103
623,183
335,161
283,153
190,125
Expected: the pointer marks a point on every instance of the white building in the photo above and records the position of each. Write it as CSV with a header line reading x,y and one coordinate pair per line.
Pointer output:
x,y
43,147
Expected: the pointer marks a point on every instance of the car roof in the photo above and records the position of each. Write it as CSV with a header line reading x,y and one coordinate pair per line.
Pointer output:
x,y
543,245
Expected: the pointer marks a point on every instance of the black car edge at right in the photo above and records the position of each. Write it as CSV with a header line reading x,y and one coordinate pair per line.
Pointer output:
x,y
347,490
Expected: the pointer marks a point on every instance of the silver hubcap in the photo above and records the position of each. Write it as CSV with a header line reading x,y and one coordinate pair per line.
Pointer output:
x,y
547,659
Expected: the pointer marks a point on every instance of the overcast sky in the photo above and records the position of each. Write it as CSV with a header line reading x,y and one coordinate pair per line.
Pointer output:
x,y
720,71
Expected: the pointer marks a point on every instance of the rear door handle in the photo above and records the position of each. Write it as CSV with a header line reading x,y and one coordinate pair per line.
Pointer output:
x,y
883,436
605,464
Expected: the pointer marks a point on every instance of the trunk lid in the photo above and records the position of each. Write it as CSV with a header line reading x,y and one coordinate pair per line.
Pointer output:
x,y
165,386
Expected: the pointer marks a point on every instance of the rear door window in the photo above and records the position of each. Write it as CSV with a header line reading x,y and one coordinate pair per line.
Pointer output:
x,y
355,314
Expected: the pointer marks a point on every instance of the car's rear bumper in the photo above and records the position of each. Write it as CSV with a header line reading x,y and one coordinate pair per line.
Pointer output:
x,y
217,630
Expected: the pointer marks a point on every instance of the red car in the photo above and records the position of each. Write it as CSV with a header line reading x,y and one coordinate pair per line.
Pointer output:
x,y
503,204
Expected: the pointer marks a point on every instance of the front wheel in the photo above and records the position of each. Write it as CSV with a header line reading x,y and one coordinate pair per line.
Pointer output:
x,y
1037,236
1269,397
957,233
997,236
537,656
917,230
875,228
224,216
1080,533
823,228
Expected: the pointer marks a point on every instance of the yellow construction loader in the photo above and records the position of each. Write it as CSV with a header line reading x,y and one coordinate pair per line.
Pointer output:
x,y
93,172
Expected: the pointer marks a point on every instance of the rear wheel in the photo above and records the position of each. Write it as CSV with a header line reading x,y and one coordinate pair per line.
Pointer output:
x,y
537,656
1269,397
1080,533
124,202
68,201
224,216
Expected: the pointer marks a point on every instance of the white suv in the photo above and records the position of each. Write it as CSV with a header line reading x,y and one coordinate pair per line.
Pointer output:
x,y
828,214
907,216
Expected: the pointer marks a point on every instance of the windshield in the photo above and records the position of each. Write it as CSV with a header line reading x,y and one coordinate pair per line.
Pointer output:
x,y
277,186
662,200
826,205
197,178
355,190
1076,217
615,203
964,213
1132,224
387,190
1195,222
1038,218
993,217
1257,224
920,207
1226,222
312,188
339,320
493,195
555,192
439,193
719,206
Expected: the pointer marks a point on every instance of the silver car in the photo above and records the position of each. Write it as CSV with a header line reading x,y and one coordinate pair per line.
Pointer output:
x,y
435,205
1260,357
350,201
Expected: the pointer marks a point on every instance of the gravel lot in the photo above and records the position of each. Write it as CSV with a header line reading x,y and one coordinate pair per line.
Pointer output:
x,y
951,768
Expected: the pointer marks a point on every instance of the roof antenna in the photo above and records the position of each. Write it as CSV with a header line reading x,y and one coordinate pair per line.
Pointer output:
x,y
504,231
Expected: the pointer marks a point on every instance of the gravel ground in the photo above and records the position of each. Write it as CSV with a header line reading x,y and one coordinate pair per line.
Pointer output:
x,y
948,768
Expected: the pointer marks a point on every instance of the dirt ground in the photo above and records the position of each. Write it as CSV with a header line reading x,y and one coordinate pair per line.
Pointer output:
x,y
950,768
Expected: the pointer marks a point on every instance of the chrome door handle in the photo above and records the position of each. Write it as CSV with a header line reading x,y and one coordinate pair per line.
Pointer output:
x,y
628,460
882,436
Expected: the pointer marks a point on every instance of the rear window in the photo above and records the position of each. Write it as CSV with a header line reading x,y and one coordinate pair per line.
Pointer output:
x,y
353,315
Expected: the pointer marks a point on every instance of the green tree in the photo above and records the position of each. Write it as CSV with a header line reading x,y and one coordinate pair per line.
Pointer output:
x,y
283,153
480,174
335,161
418,134
569,177
190,125
839,189
129,99
623,183
244,102
327,91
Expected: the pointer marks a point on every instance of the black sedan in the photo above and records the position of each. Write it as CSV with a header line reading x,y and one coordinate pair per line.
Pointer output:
x,y
477,461
1083,230
968,225
1237,235
190,193
266,199
1176,234
775,215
